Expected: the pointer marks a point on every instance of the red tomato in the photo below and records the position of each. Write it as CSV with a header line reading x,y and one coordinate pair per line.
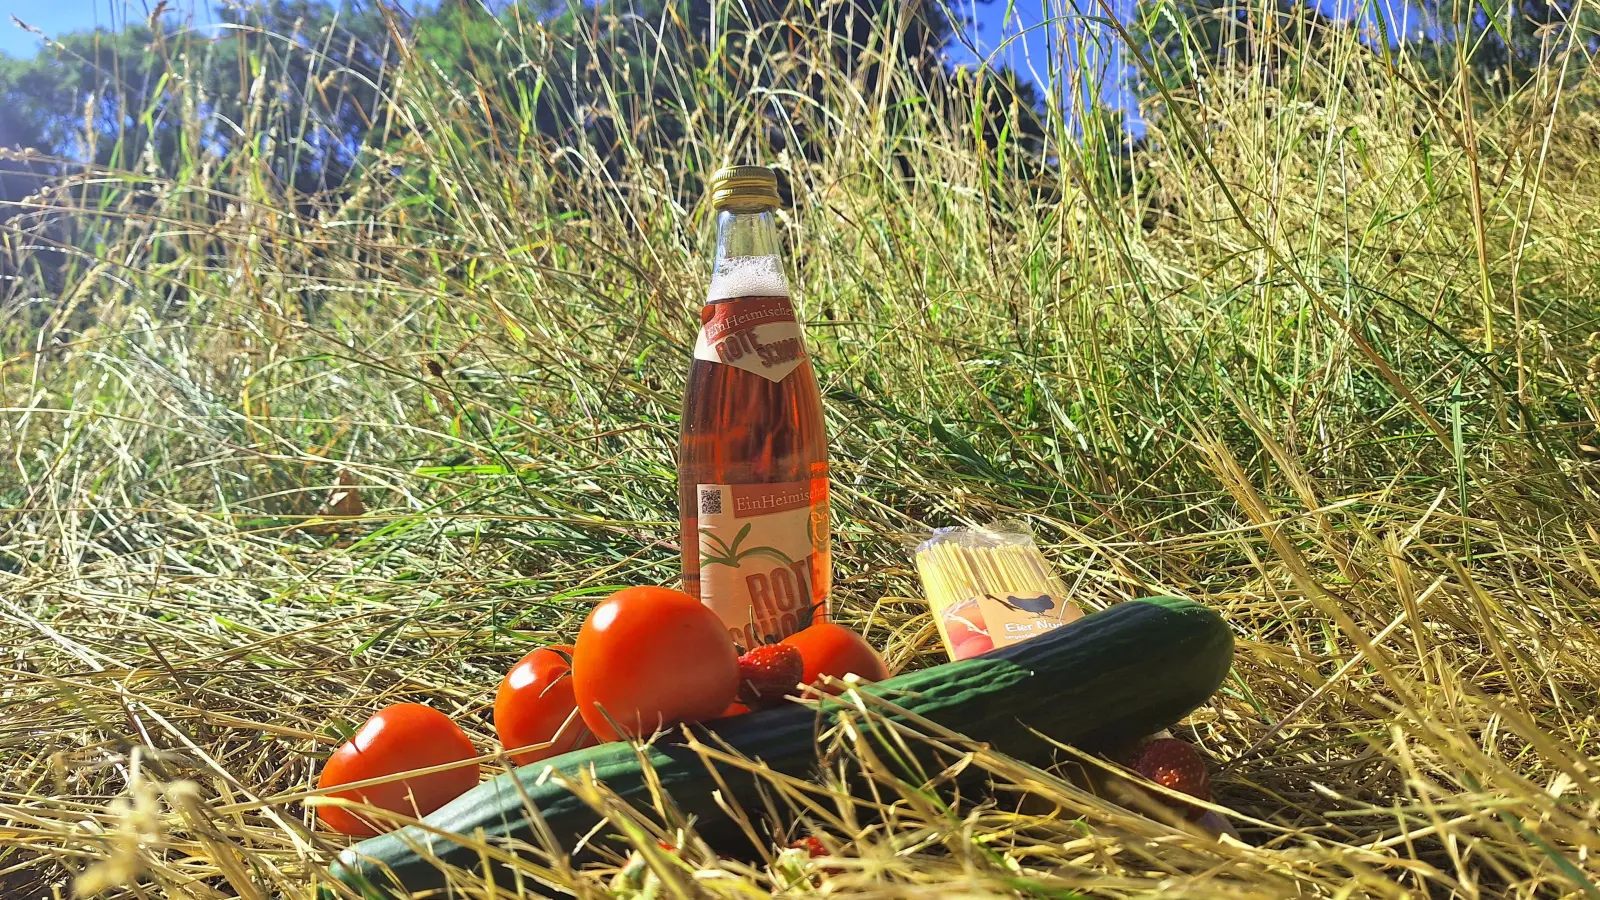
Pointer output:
x,y
648,657
829,649
397,739
534,702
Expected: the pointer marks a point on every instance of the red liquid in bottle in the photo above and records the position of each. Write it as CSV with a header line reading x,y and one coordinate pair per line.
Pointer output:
x,y
753,460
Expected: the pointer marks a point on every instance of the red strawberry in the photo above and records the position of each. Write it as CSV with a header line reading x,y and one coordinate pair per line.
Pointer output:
x,y
1178,766
813,849
767,673
811,845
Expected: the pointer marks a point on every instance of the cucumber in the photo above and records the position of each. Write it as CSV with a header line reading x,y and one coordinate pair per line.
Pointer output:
x,y
1112,676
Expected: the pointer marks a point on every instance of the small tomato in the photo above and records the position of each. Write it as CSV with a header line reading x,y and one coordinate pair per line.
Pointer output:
x,y
397,739
830,649
648,657
534,705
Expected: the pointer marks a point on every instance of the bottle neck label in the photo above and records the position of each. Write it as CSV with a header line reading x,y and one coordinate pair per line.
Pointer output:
x,y
756,334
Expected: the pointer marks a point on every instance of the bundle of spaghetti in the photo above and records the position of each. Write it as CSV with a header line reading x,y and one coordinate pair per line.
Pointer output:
x,y
959,564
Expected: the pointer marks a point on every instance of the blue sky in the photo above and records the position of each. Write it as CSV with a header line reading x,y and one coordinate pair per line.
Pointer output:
x,y
56,16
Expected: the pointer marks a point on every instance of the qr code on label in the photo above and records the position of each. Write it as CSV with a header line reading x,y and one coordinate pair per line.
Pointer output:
x,y
710,502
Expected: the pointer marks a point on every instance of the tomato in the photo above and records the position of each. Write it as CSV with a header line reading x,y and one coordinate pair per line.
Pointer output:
x,y
648,657
830,649
397,739
534,702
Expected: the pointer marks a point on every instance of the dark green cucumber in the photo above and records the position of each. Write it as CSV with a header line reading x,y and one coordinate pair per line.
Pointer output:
x,y
1112,676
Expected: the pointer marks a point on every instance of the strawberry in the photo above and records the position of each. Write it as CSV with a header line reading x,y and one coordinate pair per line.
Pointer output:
x,y
768,672
811,845
1178,766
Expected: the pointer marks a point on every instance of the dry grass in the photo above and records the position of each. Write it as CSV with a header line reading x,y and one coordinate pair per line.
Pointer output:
x,y
1255,363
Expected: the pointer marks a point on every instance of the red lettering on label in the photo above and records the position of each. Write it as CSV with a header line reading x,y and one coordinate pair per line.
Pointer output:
x,y
760,588
736,345
781,352
746,313
782,589
757,334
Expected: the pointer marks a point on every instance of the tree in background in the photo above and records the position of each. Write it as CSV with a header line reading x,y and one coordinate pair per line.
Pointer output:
x,y
278,100
1505,44
166,99
1502,44
598,76
156,97
290,97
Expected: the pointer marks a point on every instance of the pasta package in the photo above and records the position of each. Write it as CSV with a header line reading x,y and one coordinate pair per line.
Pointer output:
x,y
990,587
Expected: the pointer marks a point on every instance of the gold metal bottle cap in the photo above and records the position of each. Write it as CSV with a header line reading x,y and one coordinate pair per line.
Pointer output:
x,y
745,187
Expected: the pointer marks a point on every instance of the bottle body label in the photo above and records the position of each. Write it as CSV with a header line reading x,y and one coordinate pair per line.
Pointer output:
x,y
757,334
758,556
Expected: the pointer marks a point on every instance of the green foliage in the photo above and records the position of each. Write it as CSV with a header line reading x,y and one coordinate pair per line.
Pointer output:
x,y
595,75
1506,44
1502,44
166,99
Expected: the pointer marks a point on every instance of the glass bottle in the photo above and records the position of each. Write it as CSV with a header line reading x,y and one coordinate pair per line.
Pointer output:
x,y
753,450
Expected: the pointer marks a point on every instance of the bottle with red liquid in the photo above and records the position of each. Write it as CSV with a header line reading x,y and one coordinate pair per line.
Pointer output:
x,y
753,451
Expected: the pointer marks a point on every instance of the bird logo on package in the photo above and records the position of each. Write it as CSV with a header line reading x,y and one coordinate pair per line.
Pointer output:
x,y
1012,619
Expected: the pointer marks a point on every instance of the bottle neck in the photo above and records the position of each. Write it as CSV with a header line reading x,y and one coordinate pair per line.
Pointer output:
x,y
749,261
752,233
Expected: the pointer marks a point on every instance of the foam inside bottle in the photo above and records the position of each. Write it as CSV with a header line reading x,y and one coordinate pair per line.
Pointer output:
x,y
748,276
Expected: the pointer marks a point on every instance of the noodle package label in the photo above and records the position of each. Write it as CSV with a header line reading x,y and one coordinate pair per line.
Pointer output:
x,y
980,624
990,588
